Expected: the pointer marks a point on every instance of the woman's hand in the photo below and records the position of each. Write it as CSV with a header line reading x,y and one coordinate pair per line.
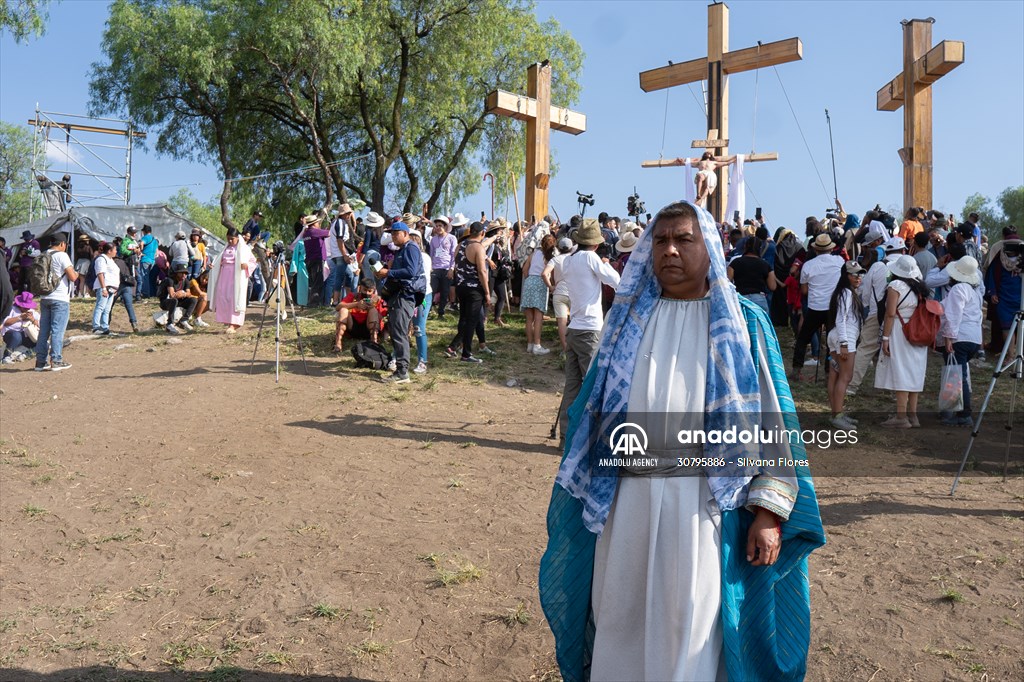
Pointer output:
x,y
765,535
844,353
885,347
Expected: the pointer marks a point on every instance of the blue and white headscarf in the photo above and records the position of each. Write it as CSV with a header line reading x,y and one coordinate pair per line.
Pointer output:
x,y
732,383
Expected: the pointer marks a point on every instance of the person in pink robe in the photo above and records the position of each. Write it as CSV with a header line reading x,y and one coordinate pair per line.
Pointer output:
x,y
229,282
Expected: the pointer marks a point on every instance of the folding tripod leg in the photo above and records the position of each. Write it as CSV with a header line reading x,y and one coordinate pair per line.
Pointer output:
x,y
259,333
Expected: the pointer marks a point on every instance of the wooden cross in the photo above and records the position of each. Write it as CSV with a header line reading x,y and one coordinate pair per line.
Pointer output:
x,y
540,118
921,67
715,67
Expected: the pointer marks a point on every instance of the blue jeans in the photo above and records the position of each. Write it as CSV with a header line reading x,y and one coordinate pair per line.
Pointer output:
x,y
125,294
53,322
759,299
421,329
195,268
13,340
336,278
145,283
963,351
101,312
256,286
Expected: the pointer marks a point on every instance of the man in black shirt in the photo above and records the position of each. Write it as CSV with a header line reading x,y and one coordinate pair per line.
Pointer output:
x,y
174,293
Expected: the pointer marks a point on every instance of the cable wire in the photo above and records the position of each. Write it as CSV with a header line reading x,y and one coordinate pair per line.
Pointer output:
x,y
806,146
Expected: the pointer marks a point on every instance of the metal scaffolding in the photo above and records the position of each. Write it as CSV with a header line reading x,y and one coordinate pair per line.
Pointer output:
x,y
109,185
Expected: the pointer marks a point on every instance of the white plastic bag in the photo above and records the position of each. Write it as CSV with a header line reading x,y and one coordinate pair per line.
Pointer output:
x,y
951,388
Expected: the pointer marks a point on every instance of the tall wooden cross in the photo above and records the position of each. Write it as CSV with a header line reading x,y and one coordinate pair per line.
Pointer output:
x,y
535,108
715,67
922,66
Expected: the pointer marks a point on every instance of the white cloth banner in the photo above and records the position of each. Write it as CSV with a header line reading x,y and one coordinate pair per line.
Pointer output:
x,y
691,190
737,192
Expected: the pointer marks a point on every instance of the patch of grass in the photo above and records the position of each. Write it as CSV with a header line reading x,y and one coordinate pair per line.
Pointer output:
x,y
33,511
45,478
517,616
941,653
140,501
324,610
976,668
281,658
216,475
892,610
428,443
371,649
434,559
455,483
224,673
462,573
952,596
313,528
7,624
468,444
179,653
130,534
430,384
31,463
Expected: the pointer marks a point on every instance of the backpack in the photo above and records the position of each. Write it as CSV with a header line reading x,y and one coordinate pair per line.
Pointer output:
x,y
42,279
923,326
370,355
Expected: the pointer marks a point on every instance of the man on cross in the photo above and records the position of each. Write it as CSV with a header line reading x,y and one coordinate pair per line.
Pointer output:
x,y
706,179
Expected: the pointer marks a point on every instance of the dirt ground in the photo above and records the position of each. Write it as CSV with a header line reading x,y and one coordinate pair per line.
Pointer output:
x,y
165,515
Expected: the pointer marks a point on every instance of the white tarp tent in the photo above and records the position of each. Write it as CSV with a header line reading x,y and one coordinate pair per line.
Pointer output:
x,y
107,222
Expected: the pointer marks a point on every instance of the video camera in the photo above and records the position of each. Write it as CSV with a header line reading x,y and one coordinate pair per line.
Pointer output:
x,y
585,199
278,247
634,206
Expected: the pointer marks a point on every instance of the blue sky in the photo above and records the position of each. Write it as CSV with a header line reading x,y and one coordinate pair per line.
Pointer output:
x,y
851,49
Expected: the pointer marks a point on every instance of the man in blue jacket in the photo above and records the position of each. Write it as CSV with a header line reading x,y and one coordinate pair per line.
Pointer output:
x,y
404,282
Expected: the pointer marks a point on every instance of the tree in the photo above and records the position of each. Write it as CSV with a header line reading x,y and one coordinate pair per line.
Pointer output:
x,y
24,18
205,215
992,219
383,100
15,164
1011,201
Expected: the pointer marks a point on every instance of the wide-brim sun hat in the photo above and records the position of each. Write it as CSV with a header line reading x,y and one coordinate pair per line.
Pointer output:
x,y
442,219
458,220
965,270
627,242
905,267
823,242
589,233
373,220
627,227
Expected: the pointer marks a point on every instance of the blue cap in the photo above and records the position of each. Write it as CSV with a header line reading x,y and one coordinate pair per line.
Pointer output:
x,y
398,226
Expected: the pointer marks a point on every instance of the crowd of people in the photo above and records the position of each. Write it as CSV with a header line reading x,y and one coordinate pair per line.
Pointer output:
x,y
847,288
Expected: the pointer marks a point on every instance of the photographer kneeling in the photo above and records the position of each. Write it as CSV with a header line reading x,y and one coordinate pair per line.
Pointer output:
x,y
360,315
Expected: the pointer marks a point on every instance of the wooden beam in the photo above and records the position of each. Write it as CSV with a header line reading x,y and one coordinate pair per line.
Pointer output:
x,y
525,108
778,52
86,129
674,74
939,61
747,158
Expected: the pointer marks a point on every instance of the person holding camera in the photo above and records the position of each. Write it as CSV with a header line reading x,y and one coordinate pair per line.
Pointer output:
x,y
360,315
403,288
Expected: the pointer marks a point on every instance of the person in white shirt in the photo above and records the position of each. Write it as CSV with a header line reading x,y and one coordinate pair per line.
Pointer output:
x,y
961,327
870,292
818,279
844,323
554,277
55,308
584,273
108,281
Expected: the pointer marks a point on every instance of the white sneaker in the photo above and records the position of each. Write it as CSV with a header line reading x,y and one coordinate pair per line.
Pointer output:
x,y
811,362
199,322
529,348
841,422
185,325
421,368
540,350
392,366
171,329
9,360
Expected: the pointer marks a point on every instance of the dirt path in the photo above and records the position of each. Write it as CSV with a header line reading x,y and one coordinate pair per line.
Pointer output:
x,y
161,510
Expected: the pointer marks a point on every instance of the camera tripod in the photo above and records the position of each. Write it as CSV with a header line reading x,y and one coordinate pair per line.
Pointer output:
x,y
280,275
1016,365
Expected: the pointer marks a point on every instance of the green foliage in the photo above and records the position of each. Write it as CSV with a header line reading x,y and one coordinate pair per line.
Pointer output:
x,y
1010,211
1011,201
15,164
24,19
206,215
381,102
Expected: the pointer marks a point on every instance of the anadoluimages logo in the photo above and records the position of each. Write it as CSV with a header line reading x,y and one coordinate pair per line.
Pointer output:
x,y
628,440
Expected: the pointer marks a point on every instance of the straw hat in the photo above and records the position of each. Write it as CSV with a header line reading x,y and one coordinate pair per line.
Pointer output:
x,y
905,267
965,270
823,242
627,242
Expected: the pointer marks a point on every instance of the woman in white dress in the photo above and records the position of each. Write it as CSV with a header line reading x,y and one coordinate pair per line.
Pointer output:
x,y
844,322
902,365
